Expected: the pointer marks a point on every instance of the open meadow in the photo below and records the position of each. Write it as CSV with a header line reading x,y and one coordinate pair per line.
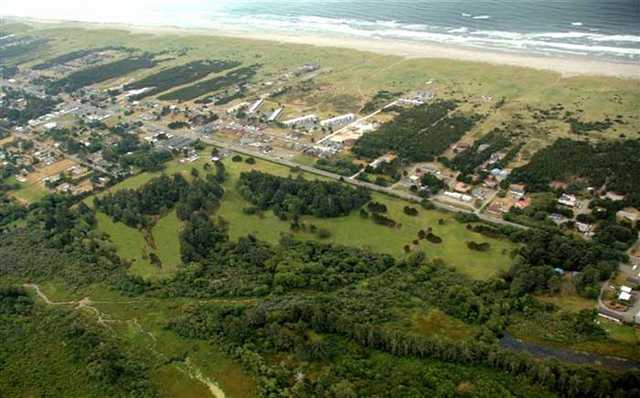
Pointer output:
x,y
352,230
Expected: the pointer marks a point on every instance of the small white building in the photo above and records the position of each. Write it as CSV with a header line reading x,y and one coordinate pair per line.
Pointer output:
x,y
624,296
568,200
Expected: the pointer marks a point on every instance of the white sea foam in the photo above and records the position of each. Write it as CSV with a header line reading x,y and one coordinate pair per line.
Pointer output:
x,y
570,43
576,23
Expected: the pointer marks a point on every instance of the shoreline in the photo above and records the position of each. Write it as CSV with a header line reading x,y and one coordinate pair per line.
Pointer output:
x,y
565,66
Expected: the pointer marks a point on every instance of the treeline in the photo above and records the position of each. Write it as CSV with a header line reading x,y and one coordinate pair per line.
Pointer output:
x,y
468,160
235,77
269,328
100,73
59,239
418,134
179,76
140,207
288,196
545,250
25,47
342,167
612,164
72,56
10,210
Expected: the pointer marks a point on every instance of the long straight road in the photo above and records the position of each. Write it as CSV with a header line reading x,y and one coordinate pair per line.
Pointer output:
x,y
376,188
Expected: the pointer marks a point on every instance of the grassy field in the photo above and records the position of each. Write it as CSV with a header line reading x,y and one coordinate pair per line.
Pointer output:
x,y
352,230
27,193
437,323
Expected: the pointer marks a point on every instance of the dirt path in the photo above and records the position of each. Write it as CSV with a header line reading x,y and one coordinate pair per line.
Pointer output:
x,y
104,320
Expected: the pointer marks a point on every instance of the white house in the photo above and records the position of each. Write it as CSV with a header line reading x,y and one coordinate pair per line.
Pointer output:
x,y
568,200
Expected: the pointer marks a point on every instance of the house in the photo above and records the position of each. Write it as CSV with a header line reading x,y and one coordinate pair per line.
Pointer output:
x,y
522,203
568,200
499,173
624,296
462,187
491,182
629,214
637,318
614,196
583,227
518,191
625,289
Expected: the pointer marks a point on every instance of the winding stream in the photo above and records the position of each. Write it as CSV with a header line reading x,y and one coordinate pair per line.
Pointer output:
x,y
577,357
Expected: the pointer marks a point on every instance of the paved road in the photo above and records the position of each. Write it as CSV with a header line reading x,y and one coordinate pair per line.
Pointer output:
x,y
386,190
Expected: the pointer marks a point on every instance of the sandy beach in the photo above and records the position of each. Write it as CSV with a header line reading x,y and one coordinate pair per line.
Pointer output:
x,y
566,66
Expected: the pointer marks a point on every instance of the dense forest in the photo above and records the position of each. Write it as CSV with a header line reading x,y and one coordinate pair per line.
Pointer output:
x,y
179,76
418,134
101,73
288,196
64,351
233,78
137,208
613,165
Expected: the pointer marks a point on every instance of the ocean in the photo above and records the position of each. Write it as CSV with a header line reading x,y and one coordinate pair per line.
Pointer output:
x,y
608,29
602,29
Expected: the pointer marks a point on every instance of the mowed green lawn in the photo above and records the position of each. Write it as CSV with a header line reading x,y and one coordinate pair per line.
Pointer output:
x,y
352,230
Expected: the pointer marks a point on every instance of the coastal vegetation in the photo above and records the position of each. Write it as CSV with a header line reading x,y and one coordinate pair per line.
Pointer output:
x,y
235,77
101,73
417,134
178,76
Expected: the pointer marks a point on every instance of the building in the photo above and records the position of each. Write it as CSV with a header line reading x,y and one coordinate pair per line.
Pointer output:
x,y
255,106
339,121
273,116
629,214
306,122
518,191
568,200
583,227
462,187
614,196
624,296
458,196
